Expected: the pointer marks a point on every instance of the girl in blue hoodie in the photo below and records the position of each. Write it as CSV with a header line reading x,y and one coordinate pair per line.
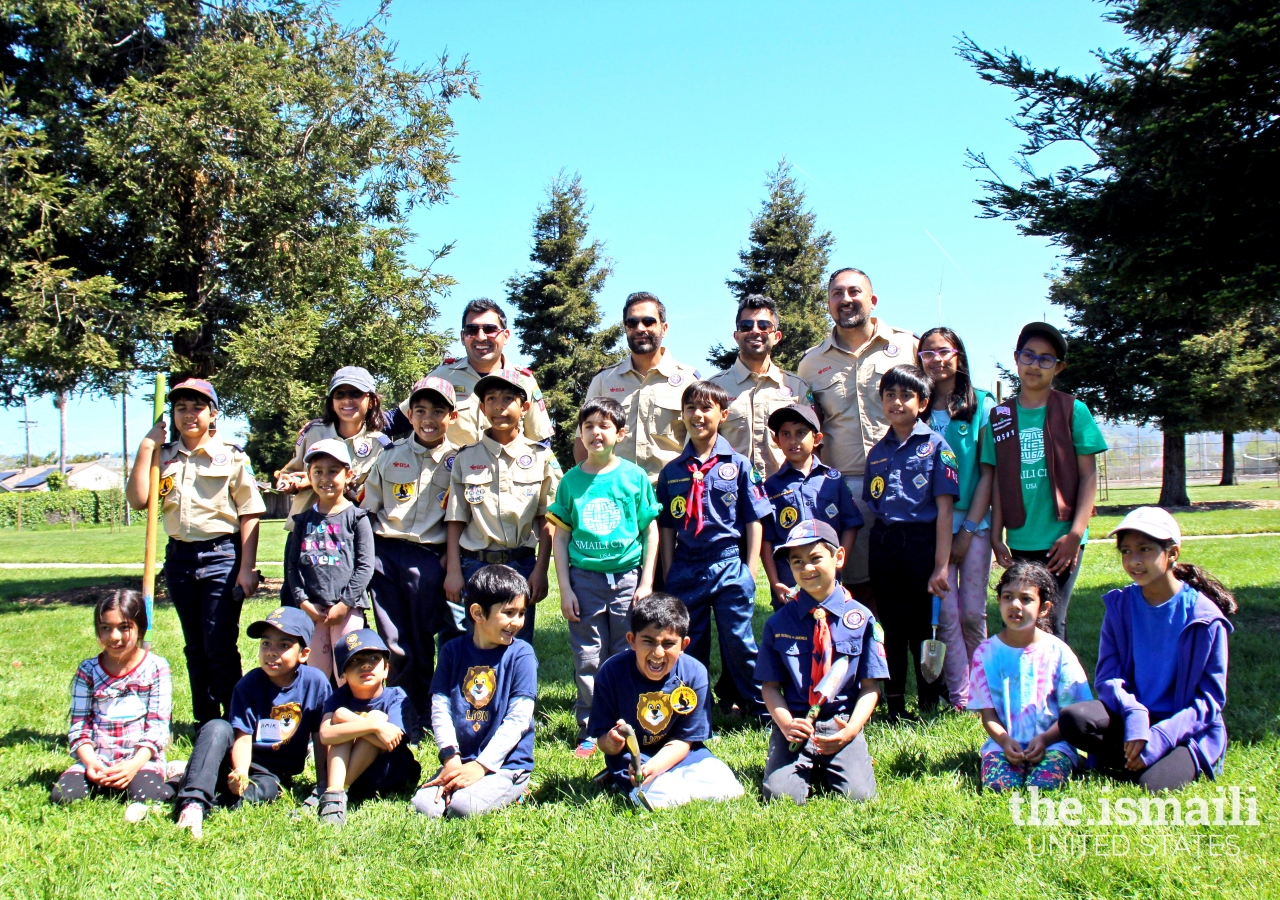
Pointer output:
x,y
1162,665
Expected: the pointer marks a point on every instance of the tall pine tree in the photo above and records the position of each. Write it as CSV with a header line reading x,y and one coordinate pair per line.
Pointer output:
x,y
558,318
785,261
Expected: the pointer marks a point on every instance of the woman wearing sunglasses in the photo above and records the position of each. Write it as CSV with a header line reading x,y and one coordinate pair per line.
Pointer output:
x,y
1046,479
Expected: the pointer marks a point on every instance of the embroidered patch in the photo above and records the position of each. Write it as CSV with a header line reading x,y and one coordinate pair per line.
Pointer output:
x,y
676,380
832,510
891,350
448,462
166,485
785,391
853,619
833,473
949,458
788,516
877,633
728,471
443,498
402,492
525,461
924,449
363,447
756,477
677,507
474,493
730,499
877,487
684,700
220,459
920,480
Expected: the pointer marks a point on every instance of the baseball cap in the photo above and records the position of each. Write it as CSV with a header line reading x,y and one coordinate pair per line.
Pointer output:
x,y
329,447
435,385
199,385
805,533
1046,331
1153,522
356,376
796,412
501,377
288,619
357,642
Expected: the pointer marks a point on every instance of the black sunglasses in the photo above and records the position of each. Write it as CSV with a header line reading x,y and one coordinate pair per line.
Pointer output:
x,y
765,325
634,322
488,328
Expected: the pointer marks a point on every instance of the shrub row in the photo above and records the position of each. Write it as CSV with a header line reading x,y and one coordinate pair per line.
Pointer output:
x,y
58,507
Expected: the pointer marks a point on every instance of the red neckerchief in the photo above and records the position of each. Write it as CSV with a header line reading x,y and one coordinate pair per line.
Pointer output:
x,y
698,474
821,663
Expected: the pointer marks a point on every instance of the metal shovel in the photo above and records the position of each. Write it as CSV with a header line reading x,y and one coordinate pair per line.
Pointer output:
x,y
933,651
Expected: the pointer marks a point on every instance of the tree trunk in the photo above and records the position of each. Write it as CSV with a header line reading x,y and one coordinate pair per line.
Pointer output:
x,y
1173,485
62,440
1228,458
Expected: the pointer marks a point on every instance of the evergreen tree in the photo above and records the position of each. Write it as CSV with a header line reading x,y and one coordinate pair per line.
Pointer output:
x,y
558,316
785,261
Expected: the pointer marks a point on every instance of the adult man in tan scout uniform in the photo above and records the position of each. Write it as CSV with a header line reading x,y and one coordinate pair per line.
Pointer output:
x,y
648,384
756,387
484,335
844,373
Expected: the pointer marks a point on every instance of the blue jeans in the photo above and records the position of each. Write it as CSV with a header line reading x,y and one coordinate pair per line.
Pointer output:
x,y
205,780
470,567
201,576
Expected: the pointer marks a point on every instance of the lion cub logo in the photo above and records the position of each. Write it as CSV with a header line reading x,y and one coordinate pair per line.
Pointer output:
x,y
654,712
479,685
289,715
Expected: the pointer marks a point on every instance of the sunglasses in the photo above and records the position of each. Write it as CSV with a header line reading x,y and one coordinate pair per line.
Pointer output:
x,y
1027,358
944,353
765,325
635,322
347,394
488,328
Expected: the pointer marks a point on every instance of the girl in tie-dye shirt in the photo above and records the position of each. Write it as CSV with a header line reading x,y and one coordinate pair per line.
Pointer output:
x,y
1019,680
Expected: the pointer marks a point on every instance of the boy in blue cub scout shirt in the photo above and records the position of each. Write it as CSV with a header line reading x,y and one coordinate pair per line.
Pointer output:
x,y
801,490
275,710
482,700
822,629
661,694
710,529
911,484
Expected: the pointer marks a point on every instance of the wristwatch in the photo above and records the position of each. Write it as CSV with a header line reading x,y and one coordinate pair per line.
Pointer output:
x,y
447,753
971,527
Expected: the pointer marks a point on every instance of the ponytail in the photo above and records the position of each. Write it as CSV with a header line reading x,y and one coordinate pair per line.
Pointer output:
x,y
1206,584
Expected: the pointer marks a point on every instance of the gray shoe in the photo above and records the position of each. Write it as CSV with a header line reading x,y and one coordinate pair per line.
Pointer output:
x,y
333,808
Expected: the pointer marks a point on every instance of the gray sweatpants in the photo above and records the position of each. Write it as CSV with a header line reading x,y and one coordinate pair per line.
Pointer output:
x,y
795,773
494,791
604,616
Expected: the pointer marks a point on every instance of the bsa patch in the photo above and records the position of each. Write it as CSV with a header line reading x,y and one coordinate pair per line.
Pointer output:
x,y
474,493
948,457
832,510
920,480
788,516
363,447
448,462
853,619
677,507
891,350
676,380
684,700
654,712
833,473
877,487
220,459
924,449
479,685
166,485
525,461
728,471
402,492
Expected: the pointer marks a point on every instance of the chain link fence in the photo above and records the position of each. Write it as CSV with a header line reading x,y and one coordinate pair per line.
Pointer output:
x,y
1136,456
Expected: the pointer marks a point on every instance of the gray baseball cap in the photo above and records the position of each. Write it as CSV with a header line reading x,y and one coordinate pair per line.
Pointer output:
x,y
356,376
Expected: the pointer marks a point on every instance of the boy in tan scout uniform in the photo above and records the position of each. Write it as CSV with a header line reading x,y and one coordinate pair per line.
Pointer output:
x,y
407,492
209,507
498,498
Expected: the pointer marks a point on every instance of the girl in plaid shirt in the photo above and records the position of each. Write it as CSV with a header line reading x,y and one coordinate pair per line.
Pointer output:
x,y
121,701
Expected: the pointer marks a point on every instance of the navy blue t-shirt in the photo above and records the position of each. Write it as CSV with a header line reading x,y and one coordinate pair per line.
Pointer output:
x,y
393,701
281,720
655,709
480,685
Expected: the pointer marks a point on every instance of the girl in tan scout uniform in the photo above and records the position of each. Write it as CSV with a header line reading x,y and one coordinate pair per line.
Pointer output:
x,y
210,507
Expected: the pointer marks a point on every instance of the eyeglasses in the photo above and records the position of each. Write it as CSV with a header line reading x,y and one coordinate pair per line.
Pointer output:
x,y
635,322
488,328
347,394
944,354
1027,358
765,325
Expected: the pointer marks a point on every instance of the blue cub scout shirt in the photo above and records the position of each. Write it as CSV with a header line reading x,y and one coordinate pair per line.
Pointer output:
x,y
902,480
480,685
732,498
796,498
786,650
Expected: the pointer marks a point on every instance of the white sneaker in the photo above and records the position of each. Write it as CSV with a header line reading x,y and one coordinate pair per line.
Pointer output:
x,y
175,769
135,813
192,817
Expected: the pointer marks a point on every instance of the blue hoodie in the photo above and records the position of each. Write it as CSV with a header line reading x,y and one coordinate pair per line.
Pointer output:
x,y
1199,694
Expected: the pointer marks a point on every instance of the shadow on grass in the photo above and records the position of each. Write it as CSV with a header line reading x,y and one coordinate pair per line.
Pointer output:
x,y
16,737
576,791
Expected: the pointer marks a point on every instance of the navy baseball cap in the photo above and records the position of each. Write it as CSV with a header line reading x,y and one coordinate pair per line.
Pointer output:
x,y
806,533
196,385
288,619
357,642
796,412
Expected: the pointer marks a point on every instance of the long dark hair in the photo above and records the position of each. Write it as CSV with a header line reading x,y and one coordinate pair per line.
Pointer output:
x,y
962,403
131,606
1193,575
1032,573
373,420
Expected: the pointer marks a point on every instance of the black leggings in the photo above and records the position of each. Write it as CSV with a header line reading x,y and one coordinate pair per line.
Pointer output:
x,y
145,787
1092,727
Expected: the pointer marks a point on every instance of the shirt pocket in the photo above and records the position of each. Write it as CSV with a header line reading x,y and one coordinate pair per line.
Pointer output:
x,y
478,489
526,484
212,483
832,393
665,418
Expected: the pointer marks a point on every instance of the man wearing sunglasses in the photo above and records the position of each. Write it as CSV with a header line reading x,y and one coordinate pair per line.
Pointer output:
x,y
756,387
484,335
648,384
844,372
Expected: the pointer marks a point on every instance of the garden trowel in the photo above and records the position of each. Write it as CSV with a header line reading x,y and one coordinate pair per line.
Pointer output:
x,y
933,651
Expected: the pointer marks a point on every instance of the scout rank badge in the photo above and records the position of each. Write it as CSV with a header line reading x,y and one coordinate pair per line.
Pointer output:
x,y
684,700
474,493
877,487
402,492
788,517
920,480
831,510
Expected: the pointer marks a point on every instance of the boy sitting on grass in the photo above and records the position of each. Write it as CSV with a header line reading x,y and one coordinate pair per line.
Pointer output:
x,y
662,695
365,726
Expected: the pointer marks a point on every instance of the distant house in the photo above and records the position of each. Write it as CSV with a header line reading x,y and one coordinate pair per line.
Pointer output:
x,y
26,480
97,475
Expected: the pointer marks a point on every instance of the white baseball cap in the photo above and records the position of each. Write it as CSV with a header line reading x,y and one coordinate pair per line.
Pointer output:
x,y
329,447
1153,522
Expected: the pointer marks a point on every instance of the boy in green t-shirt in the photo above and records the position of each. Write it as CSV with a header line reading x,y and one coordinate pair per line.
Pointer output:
x,y
1045,480
606,548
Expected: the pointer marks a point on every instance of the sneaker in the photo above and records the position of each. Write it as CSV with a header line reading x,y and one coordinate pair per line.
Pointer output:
x,y
333,808
313,799
192,818
175,769
585,748
135,813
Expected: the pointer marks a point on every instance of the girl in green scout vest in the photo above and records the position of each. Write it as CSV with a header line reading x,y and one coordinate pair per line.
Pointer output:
x,y
958,411
1042,443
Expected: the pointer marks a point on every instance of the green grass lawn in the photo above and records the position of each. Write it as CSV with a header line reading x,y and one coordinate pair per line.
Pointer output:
x,y
98,544
1200,493
930,833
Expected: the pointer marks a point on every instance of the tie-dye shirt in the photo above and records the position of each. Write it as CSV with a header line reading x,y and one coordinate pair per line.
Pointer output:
x,y
1026,686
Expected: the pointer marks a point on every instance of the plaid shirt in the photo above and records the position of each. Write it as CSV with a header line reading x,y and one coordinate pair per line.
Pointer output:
x,y
119,714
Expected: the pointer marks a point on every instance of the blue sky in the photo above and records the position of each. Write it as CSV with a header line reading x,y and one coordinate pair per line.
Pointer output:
x,y
673,114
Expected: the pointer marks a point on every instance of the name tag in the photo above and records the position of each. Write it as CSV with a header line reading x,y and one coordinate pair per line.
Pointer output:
x,y
270,731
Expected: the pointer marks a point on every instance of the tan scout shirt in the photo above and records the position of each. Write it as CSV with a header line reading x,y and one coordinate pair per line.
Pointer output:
x,y
408,490
753,398
498,490
364,448
655,431
204,492
472,422
846,391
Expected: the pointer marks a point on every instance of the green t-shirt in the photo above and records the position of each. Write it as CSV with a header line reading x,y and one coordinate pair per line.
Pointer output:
x,y
1042,527
606,515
